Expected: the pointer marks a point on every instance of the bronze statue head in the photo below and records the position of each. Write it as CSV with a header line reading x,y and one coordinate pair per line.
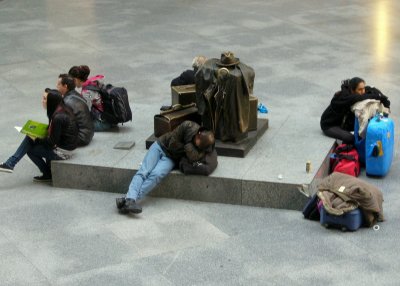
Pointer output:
x,y
228,59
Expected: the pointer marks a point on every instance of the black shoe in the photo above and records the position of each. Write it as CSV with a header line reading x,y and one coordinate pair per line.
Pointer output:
x,y
5,168
120,202
131,206
43,178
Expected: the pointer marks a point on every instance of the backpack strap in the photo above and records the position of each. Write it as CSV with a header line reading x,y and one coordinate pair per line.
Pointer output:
x,y
96,89
344,148
93,88
339,157
347,157
101,90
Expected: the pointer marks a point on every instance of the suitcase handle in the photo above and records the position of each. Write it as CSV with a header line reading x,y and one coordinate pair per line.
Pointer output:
x,y
377,150
176,107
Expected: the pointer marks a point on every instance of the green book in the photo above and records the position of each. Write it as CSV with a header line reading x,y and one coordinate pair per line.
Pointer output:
x,y
35,129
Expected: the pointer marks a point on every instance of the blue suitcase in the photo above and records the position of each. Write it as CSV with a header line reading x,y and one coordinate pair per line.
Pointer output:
x,y
349,221
379,145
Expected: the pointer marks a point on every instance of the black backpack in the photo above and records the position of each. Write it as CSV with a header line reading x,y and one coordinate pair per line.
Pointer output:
x,y
116,103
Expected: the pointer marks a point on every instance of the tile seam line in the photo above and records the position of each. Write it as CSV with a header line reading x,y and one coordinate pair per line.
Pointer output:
x,y
48,279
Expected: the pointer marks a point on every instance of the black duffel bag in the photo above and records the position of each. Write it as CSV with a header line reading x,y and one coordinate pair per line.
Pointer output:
x,y
203,167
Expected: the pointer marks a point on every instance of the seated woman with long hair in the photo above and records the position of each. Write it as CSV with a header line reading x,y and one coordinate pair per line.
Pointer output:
x,y
61,139
80,74
337,121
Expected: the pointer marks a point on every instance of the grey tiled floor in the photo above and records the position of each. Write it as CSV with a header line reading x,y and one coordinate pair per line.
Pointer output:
x,y
300,50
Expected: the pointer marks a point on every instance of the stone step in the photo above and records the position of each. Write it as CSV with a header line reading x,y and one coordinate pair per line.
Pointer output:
x,y
215,188
272,173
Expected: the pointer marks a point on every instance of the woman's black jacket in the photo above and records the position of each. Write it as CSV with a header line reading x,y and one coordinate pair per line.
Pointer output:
x,y
338,113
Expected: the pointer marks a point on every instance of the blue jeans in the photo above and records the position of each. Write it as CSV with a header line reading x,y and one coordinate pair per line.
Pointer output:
x,y
155,166
39,154
101,125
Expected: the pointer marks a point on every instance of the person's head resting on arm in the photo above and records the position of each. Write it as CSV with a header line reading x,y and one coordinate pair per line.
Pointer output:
x,y
204,139
357,85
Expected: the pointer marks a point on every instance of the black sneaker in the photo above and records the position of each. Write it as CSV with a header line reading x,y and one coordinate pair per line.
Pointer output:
x,y
120,202
42,178
5,168
130,206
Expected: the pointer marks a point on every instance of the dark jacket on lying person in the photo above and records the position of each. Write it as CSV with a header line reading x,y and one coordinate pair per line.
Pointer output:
x,y
62,131
187,140
82,115
179,143
338,113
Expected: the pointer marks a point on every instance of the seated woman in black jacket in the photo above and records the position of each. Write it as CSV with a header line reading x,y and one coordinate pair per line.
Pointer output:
x,y
337,121
62,138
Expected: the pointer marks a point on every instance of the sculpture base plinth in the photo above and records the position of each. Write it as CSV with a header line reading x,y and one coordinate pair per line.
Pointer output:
x,y
230,149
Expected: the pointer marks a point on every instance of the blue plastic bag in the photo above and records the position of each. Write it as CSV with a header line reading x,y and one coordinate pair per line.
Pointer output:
x,y
262,108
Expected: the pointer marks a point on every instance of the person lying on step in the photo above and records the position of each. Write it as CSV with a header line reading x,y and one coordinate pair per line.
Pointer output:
x,y
188,140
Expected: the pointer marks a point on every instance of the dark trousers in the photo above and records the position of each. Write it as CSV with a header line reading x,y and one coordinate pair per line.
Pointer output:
x,y
341,134
40,155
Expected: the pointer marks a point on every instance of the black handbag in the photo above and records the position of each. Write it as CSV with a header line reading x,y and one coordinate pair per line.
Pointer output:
x,y
203,167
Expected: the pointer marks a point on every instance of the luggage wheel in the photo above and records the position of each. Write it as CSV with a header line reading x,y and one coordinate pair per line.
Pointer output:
x,y
326,225
343,228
